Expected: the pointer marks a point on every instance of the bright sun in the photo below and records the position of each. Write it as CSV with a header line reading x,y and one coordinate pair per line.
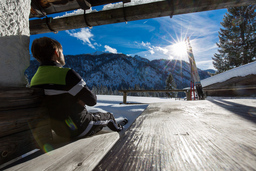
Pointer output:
x,y
179,49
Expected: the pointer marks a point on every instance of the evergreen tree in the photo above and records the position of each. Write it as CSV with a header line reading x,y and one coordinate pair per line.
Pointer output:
x,y
237,38
110,92
94,90
170,85
116,92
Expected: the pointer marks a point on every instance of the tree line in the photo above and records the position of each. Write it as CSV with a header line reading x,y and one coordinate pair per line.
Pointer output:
x,y
170,85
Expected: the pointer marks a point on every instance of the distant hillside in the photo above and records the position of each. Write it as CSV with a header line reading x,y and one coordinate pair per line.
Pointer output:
x,y
210,71
118,71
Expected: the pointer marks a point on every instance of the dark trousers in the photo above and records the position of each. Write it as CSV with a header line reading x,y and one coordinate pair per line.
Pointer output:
x,y
96,121
84,124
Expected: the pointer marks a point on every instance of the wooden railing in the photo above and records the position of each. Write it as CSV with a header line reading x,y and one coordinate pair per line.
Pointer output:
x,y
161,91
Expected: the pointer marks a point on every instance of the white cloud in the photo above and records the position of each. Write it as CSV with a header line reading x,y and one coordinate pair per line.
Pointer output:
x,y
147,44
163,50
132,3
97,44
112,6
110,49
75,12
152,49
85,35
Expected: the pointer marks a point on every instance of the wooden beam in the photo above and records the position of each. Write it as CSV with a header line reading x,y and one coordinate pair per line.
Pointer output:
x,y
131,13
162,91
37,8
103,2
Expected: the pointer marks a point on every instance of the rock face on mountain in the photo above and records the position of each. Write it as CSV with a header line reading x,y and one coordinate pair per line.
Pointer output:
x,y
118,71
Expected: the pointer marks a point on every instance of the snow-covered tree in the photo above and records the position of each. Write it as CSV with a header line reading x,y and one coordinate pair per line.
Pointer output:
x,y
237,38
94,90
170,85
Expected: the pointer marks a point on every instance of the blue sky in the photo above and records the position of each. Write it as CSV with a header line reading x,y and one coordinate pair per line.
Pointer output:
x,y
156,38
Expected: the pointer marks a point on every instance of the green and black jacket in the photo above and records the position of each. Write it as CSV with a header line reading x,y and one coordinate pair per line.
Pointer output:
x,y
63,88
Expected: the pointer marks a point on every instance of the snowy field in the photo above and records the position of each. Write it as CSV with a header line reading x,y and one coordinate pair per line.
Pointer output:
x,y
111,103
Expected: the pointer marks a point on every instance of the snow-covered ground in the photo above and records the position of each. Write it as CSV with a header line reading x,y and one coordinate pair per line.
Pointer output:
x,y
111,103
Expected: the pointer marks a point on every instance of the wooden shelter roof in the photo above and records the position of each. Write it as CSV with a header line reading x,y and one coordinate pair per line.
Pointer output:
x,y
40,8
128,12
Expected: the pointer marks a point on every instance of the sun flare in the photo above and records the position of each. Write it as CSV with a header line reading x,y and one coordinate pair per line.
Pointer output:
x,y
179,49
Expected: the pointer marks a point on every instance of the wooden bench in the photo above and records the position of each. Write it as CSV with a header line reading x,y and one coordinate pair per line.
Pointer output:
x,y
162,91
24,122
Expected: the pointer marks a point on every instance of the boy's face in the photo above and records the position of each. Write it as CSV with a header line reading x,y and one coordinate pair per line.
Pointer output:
x,y
61,58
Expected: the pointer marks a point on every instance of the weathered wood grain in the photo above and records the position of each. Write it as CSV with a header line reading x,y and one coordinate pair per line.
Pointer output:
x,y
15,145
182,135
24,122
131,13
190,135
17,98
83,154
12,121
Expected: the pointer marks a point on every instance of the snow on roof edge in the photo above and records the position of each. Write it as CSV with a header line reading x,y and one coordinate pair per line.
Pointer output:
x,y
236,72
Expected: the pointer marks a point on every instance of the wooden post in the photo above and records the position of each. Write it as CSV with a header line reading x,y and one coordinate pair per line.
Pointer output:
x,y
24,122
188,94
124,97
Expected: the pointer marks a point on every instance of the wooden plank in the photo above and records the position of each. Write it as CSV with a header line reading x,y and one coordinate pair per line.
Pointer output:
x,y
131,13
13,121
24,122
17,98
23,136
83,154
15,145
188,135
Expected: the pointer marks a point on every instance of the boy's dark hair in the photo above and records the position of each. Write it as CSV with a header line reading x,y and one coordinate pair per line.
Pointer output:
x,y
44,48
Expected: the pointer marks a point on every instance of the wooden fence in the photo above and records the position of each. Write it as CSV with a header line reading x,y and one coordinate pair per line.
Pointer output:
x,y
125,92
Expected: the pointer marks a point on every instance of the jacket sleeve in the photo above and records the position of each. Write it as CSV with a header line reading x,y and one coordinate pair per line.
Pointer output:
x,y
78,88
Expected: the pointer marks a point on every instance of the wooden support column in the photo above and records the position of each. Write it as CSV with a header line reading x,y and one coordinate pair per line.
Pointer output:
x,y
188,95
24,122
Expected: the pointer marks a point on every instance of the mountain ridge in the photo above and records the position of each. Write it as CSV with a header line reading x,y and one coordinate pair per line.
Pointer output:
x,y
119,71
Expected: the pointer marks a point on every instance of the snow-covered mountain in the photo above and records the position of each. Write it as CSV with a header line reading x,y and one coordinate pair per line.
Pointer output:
x,y
120,71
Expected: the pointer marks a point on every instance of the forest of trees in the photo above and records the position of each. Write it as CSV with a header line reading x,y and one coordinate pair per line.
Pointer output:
x,y
237,39
170,85
104,90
